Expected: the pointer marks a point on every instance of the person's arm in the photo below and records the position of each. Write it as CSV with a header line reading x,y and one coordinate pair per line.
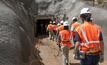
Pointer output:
x,y
72,28
47,28
102,42
102,48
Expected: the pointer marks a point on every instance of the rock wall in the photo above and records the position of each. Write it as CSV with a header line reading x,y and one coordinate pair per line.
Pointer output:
x,y
16,32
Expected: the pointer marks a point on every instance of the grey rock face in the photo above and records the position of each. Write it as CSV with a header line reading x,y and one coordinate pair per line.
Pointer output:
x,y
16,33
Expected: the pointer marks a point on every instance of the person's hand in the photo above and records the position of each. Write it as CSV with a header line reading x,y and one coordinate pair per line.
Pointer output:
x,y
101,58
76,57
72,47
59,45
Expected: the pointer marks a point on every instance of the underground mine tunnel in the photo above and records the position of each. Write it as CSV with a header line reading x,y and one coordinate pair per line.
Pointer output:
x,y
41,26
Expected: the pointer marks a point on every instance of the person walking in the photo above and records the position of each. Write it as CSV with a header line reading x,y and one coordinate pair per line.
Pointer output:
x,y
65,42
60,28
54,26
89,40
74,25
49,29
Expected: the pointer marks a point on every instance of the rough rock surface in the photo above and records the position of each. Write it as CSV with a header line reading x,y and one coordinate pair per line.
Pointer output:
x,y
16,33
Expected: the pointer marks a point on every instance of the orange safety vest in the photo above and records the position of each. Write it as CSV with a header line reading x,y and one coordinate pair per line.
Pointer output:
x,y
54,27
49,27
61,27
89,34
75,25
65,36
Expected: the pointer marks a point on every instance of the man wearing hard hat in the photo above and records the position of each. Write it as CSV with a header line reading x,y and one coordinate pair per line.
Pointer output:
x,y
59,28
49,29
89,40
54,26
74,24
65,42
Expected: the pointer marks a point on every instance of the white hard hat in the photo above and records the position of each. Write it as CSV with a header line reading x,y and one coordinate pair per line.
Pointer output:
x,y
54,22
85,10
74,18
50,21
66,23
58,24
62,21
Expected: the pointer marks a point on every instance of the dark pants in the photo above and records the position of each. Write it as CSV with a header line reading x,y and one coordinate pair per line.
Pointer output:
x,y
90,60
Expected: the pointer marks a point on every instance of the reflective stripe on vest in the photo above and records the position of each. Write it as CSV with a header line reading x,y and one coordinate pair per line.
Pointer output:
x,y
84,35
96,49
92,42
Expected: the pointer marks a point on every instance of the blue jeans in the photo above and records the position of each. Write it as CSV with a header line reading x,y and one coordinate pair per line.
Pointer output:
x,y
90,60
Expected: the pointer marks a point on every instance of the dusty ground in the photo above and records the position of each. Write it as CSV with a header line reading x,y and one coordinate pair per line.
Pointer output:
x,y
48,54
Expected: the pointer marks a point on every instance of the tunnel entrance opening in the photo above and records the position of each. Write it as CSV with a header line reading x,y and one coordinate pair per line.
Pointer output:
x,y
41,27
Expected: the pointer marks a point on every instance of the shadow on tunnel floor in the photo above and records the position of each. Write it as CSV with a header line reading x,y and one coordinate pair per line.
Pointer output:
x,y
42,36
35,58
74,63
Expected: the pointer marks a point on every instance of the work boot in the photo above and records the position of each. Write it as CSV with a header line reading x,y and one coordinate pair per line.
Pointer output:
x,y
50,38
66,63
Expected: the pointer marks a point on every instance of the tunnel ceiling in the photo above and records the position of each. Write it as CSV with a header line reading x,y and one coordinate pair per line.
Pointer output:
x,y
43,17
59,7
27,3
47,7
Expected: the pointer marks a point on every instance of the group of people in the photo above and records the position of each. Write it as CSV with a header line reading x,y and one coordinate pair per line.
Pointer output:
x,y
85,38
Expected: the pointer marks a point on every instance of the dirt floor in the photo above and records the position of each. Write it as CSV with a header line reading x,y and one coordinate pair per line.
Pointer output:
x,y
48,54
